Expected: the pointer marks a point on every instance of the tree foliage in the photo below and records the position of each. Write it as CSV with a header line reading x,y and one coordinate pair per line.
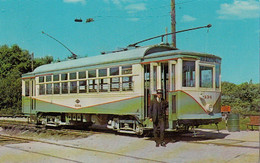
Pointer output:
x,y
13,63
243,98
42,61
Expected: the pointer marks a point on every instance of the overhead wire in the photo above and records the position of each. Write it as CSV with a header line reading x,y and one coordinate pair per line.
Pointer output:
x,y
97,17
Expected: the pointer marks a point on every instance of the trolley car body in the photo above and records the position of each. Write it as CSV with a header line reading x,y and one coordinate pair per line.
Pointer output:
x,y
116,89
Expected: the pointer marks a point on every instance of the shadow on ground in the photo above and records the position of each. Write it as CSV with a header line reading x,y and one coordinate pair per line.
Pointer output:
x,y
173,137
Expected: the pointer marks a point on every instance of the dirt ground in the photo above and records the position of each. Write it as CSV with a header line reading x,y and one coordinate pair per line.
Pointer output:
x,y
206,146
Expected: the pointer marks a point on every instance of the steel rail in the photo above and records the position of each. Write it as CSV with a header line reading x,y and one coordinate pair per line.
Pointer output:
x,y
82,148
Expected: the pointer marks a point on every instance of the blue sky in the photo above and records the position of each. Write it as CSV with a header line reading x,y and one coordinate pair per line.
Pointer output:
x,y
234,35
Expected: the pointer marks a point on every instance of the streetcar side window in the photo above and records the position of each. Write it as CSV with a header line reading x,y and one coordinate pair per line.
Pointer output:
x,y
103,85
92,74
73,75
64,88
82,86
217,78
102,72
48,78
188,74
48,89
56,88
206,77
64,76
126,69
114,71
56,77
73,87
41,79
92,85
42,89
127,83
82,75
114,84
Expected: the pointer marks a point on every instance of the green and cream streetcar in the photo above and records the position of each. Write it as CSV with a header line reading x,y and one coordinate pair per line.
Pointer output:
x,y
115,89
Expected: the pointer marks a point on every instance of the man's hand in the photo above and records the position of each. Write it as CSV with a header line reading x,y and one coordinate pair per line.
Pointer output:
x,y
151,119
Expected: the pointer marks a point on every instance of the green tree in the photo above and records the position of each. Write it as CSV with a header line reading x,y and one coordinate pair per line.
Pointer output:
x,y
13,63
229,91
13,58
42,61
243,98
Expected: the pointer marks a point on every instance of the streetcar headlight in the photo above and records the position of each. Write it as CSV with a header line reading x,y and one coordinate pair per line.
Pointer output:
x,y
209,108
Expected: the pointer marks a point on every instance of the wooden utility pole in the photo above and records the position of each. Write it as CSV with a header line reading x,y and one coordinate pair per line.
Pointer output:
x,y
173,23
32,58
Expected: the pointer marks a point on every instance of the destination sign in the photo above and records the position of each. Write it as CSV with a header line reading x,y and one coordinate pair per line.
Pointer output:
x,y
209,59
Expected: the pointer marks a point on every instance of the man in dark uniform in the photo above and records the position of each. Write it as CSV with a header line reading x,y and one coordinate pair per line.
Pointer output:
x,y
157,115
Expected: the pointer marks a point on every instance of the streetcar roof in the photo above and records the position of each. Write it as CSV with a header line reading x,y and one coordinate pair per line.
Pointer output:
x,y
140,54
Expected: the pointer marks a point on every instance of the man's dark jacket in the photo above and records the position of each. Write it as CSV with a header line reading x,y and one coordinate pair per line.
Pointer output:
x,y
157,110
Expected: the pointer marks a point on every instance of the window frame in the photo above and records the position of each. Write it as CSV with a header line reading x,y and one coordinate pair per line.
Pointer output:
x,y
71,74
195,76
219,76
124,68
211,76
111,68
73,91
207,64
47,89
101,71
54,89
88,74
67,77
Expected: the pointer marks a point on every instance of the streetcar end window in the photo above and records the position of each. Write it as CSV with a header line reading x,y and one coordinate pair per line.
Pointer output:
x,y
206,77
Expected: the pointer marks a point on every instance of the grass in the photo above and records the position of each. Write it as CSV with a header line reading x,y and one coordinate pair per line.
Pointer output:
x,y
222,126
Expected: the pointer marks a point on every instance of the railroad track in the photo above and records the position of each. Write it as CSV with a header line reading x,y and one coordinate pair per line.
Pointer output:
x,y
15,139
26,140
5,139
41,129
85,133
229,143
206,140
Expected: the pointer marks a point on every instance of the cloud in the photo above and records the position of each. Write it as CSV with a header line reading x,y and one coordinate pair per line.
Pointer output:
x,y
188,18
133,19
133,8
239,9
118,2
75,1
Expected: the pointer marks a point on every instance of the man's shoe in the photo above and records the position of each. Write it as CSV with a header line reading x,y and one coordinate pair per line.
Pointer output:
x,y
163,144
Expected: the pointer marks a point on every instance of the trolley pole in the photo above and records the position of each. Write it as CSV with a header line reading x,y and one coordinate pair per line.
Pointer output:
x,y
173,23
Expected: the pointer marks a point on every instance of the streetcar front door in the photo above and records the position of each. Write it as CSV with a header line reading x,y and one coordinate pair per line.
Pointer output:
x,y
159,76
155,77
152,82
